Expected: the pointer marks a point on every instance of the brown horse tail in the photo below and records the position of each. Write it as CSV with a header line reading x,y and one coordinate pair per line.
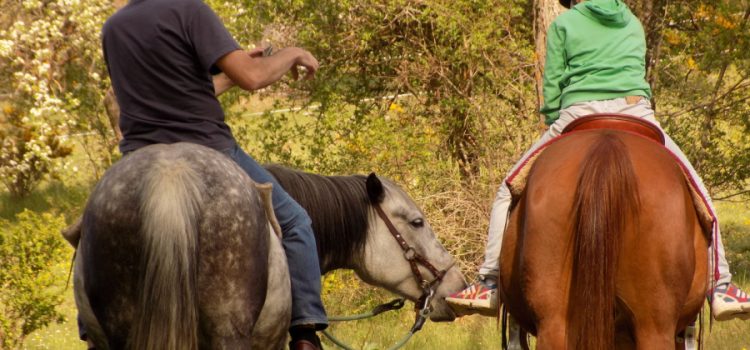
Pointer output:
x,y
167,316
605,200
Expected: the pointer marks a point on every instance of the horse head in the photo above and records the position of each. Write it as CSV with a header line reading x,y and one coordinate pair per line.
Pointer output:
x,y
349,216
402,253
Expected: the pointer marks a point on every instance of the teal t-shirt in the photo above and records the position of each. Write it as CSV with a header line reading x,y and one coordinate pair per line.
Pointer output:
x,y
595,51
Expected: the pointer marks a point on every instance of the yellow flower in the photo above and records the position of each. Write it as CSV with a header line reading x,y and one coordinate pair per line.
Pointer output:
x,y
703,11
395,108
691,63
7,108
672,37
725,23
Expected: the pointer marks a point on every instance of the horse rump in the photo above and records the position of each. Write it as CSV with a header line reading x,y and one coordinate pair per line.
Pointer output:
x,y
173,253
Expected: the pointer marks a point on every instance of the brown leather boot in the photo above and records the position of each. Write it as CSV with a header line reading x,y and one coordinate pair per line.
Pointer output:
x,y
304,345
304,337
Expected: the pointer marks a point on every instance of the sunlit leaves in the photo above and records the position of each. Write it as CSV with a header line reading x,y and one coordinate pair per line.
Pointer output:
x,y
50,79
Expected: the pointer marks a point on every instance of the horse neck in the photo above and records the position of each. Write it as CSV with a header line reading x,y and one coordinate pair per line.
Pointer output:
x,y
339,209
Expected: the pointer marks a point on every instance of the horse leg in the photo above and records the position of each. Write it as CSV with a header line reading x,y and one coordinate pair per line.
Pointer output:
x,y
233,276
654,336
514,334
273,322
551,334
94,330
624,339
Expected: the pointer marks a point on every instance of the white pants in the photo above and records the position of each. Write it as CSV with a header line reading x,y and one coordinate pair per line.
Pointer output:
x,y
642,109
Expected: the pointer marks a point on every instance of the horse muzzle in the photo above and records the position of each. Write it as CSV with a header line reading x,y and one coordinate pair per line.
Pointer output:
x,y
453,281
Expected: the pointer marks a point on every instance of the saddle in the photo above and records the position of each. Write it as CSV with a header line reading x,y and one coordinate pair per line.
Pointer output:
x,y
616,121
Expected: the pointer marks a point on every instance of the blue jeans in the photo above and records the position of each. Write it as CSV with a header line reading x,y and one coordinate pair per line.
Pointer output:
x,y
298,241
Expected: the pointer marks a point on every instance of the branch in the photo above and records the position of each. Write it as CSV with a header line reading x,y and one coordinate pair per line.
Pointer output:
x,y
731,195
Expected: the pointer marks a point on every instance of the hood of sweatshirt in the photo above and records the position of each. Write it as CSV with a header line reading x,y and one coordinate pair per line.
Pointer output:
x,y
611,13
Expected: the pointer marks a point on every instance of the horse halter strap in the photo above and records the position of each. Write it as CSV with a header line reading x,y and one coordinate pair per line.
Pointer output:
x,y
412,256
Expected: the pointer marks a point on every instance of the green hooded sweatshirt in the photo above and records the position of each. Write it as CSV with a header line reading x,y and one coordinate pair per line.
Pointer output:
x,y
595,51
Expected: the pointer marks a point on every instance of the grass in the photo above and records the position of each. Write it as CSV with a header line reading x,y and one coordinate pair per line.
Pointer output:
x,y
473,332
387,329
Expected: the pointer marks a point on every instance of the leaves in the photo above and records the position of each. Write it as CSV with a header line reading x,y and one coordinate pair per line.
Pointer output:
x,y
703,77
50,84
30,249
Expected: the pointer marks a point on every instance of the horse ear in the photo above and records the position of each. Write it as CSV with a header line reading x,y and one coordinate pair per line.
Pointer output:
x,y
375,189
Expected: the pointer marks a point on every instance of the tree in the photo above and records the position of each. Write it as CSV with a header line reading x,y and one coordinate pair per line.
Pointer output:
x,y
702,78
51,77
545,11
465,64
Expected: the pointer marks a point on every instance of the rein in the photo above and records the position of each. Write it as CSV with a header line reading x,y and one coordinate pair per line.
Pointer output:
x,y
422,306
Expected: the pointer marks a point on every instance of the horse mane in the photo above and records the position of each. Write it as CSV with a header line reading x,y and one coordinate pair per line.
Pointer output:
x,y
339,208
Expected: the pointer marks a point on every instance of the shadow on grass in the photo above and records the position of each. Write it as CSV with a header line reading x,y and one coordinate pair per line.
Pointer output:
x,y
55,197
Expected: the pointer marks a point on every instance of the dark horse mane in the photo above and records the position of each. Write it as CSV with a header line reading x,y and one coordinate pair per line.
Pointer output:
x,y
339,207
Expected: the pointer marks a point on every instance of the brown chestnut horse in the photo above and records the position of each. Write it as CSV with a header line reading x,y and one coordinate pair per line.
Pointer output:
x,y
604,248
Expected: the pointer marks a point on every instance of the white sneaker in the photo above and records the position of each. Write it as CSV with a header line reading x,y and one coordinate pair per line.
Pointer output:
x,y
728,302
478,298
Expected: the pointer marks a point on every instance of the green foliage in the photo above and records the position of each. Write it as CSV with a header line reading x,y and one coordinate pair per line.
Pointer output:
x,y
30,290
465,67
27,153
702,82
737,242
437,95
50,84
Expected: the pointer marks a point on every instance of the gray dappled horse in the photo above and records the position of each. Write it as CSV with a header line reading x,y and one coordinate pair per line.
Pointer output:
x,y
176,251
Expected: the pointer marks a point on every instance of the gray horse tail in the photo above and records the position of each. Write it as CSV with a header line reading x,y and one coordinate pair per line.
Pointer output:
x,y
167,315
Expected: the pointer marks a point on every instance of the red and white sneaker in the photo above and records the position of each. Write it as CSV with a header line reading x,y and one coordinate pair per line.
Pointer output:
x,y
728,302
478,298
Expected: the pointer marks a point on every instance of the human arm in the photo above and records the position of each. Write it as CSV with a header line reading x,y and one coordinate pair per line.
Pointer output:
x,y
218,52
222,82
554,69
253,73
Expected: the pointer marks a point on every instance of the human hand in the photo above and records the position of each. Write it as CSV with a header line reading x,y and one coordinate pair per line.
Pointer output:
x,y
256,52
306,61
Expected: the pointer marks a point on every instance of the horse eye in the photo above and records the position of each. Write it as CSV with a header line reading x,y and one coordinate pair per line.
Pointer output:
x,y
417,223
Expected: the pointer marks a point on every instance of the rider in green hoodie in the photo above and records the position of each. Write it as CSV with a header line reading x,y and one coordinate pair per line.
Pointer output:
x,y
595,64
595,52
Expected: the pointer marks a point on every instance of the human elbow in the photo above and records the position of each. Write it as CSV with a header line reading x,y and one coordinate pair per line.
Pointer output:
x,y
251,81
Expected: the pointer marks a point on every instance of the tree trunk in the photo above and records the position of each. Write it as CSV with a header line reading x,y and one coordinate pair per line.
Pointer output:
x,y
545,11
653,14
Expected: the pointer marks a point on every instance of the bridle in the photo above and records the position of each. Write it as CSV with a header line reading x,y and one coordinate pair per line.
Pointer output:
x,y
422,305
414,258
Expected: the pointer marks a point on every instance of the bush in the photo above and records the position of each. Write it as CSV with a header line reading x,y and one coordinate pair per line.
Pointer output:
x,y
737,245
50,85
30,250
28,151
